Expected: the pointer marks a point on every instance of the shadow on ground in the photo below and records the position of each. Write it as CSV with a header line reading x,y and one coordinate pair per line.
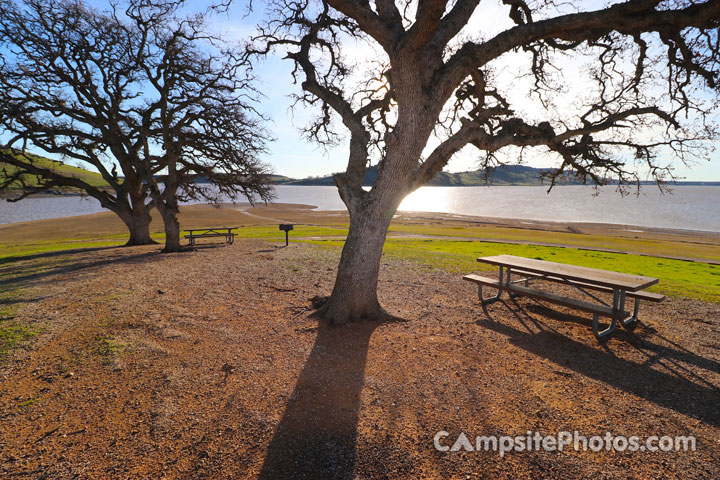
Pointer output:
x,y
45,267
671,388
58,253
317,434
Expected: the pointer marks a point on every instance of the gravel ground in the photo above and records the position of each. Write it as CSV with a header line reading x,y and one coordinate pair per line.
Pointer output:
x,y
209,364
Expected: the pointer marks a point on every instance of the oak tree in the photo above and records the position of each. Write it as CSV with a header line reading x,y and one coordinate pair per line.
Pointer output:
x,y
141,94
199,117
439,83
66,80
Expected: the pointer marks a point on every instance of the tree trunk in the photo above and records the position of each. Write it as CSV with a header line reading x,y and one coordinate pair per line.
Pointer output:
x,y
172,227
354,296
135,214
138,223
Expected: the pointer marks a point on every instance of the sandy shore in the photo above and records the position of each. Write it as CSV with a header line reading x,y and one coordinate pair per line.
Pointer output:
x,y
665,243
201,215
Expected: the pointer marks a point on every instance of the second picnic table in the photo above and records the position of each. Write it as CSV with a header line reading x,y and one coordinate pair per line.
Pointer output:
x,y
195,233
621,285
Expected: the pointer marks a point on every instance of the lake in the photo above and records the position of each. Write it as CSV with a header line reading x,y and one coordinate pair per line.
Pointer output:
x,y
688,207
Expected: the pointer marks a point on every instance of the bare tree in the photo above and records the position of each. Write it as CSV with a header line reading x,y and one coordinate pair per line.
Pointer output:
x,y
132,88
65,87
437,86
199,117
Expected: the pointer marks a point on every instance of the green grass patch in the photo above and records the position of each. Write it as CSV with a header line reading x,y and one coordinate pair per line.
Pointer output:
x,y
12,334
10,252
677,278
106,347
7,312
92,178
642,245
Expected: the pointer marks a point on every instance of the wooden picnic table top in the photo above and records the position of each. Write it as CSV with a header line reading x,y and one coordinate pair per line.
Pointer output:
x,y
210,229
605,278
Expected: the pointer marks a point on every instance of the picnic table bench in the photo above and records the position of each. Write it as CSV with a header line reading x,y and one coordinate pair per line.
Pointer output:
x,y
582,279
195,233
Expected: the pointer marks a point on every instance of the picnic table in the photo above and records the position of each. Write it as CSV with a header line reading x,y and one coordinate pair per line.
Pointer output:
x,y
195,233
582,279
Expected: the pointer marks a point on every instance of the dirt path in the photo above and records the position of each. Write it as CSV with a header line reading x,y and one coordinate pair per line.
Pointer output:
x,y
208,364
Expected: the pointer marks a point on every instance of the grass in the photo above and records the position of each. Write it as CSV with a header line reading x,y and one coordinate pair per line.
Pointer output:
x,y
16,250
106,347
677,277
12,333
643,245
451,250
92,178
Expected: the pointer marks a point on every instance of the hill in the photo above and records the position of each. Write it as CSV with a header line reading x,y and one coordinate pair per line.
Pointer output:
x,y
502,175
92,178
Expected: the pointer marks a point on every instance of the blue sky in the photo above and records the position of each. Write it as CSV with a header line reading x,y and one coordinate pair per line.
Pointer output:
x,y
293,156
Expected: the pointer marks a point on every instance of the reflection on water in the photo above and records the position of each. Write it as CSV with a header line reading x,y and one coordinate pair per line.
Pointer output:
x,y
429,199
689,207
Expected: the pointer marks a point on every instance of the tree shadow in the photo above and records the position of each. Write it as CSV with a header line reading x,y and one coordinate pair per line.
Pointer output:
x,y
57,253
72,263
317,434
204,246
649,344
670,388
20,301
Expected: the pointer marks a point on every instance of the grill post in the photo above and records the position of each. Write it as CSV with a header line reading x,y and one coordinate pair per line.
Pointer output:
x,y
286,227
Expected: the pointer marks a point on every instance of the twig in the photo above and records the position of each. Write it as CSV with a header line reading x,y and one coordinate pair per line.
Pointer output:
x,y
281,289
47,434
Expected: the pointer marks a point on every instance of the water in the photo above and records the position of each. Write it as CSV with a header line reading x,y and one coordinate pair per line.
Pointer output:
x,y
688,207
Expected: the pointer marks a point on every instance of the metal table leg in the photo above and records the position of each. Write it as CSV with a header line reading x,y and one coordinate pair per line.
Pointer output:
x,y
488,300
513,295
630,322
618,306
604,333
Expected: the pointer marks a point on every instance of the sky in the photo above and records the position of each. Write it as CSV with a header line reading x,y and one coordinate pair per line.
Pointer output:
x,y
291,155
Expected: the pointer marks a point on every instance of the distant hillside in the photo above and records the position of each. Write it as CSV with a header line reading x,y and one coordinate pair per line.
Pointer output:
x,y
280,179
92,178
503,175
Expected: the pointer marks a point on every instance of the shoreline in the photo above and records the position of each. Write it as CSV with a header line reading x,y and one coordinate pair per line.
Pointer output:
x,y
512,222
260,221
528,222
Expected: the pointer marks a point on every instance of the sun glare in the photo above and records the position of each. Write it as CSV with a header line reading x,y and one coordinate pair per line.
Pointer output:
x,y
427,199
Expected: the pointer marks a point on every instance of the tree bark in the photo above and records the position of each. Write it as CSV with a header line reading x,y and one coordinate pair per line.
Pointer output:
x,y
138,223
354,296
132,210
169,212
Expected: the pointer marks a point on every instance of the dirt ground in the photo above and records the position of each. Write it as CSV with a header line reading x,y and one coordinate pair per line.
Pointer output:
x,y
209,364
